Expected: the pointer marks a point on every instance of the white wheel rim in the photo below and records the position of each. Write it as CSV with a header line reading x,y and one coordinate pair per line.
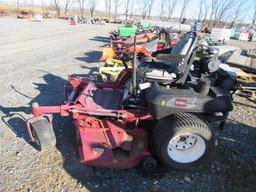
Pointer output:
x,y
186,148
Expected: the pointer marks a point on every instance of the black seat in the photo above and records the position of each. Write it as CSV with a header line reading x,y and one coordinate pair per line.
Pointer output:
x,y
151,45
174,63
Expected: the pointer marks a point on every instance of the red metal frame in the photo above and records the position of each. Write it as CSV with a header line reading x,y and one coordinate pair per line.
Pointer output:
x,y
99,139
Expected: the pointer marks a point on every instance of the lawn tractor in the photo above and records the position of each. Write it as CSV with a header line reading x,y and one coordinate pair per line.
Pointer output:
x,y
119,57
112,69
155,113
124,32
127,31
144,27
146,44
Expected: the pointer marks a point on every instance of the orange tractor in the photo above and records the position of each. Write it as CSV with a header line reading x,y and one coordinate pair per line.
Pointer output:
x,y
147,43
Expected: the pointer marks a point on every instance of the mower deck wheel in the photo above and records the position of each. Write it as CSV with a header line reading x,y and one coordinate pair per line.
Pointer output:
x,y
43,134
149,164
184,141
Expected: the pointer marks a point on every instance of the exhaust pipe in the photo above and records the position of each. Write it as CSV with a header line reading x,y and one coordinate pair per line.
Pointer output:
x,y
134,67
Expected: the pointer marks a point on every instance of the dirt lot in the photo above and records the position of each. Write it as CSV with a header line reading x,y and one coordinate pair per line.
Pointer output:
x,y
242,44
35,59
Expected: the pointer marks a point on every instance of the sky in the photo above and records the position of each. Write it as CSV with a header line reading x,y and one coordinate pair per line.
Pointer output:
x,y
191,12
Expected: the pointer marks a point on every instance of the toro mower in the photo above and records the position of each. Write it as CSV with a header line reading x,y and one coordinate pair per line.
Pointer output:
x,y
156,112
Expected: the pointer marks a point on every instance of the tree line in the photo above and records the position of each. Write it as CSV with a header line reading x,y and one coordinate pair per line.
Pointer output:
x,y
213,12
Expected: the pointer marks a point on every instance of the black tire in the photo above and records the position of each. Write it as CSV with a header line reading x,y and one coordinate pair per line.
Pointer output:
x,y
167,128
149,164
43,134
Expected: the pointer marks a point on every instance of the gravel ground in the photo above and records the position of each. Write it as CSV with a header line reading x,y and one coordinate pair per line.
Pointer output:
x,y
35,59
242,44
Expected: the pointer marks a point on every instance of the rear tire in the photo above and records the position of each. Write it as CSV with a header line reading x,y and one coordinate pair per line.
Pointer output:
x,y
43,134
184,141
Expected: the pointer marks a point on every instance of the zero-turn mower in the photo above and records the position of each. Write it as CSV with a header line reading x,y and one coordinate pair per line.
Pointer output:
x,y
119,55
156,112
112,69
123,32
129,30
147,42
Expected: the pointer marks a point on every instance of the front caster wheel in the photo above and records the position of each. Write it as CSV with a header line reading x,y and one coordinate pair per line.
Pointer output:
x,y
43,134
149,164
184,141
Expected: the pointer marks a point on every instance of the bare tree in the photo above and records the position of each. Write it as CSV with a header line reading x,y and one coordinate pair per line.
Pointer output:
x,y
68,4
106,7
92,6
213,9
240,21
32,7
116,5
132,8
200,13
205,14
57,7
162,9
237,14
43,6
183,9
81,7
109,8
171,5
254,14
222,7
205,6
144,8
127,8
226,19
150,5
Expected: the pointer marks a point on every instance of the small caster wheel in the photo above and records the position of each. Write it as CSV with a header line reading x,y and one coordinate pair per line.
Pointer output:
x,y
68,90
43,134
149,164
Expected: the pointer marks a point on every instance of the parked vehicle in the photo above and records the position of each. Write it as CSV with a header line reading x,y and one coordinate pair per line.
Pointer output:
x,y
123,32
220,36
38,18
24,15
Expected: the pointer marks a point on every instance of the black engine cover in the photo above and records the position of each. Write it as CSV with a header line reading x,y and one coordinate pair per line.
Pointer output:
x,y
163,102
